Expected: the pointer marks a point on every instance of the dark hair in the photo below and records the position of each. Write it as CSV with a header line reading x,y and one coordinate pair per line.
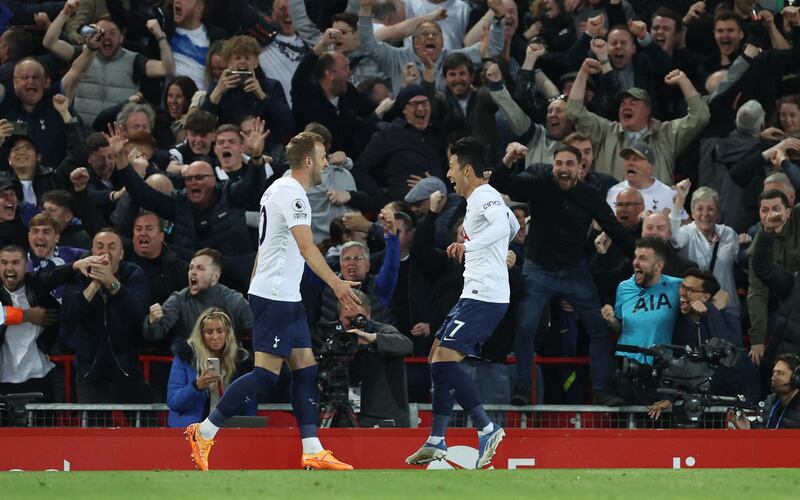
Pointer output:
x,y
301,146
669,14
14,248
325,63
771,194
95,141
19,42
455,61
407,219
566,148
215,255
322,131
724,14
350,18
710,283
793,360
201,122
659,246
470,151
60,198
188,88
162,224
367,85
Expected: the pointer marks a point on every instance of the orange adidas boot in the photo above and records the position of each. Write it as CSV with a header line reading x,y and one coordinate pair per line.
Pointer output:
x,y
323,460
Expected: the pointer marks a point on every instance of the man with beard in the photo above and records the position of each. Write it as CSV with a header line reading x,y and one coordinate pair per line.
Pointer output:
x,y
24,366
284,49
280,333
544,139
176,318
190,38
646,309
115,72
667,139
556,265
165,272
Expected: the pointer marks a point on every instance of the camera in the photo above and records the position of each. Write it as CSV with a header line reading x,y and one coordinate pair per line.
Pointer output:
x,y
685,373
338,348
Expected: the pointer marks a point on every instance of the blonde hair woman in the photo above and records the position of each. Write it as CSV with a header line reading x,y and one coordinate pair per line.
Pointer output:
x,y
193,388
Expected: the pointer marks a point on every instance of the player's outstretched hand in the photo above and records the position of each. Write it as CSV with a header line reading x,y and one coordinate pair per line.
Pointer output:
x,y
456,251
344,292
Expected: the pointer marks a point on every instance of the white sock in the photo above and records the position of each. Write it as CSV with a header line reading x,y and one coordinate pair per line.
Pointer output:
x,y
434,440
486,430
312,445
208,430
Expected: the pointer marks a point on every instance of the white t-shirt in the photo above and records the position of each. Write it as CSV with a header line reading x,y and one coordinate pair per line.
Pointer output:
x,y
454,27
280,59
656,198
279,265
489,227
20,357
28,194
190,47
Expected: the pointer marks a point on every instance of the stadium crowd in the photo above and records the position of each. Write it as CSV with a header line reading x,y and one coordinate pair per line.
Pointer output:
x,y
650,150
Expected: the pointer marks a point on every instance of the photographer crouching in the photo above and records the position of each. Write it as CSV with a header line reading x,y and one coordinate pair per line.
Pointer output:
x,y
377,364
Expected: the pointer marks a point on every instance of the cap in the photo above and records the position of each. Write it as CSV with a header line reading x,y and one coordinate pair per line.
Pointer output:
x,y
642,149
636,93
424,189
7,180
405,95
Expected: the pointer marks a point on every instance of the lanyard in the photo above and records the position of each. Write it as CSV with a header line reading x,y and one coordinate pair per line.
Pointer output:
x,y
772,412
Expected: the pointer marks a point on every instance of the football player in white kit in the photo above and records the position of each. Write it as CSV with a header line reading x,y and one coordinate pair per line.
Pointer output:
x,y
489,227
280,333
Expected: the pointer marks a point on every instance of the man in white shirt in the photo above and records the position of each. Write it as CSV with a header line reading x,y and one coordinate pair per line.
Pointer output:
x,y
489,227
454,26
639,159
191,40
24,366
280,332
282,55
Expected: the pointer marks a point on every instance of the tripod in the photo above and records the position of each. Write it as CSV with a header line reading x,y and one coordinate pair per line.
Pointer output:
x,y
332,409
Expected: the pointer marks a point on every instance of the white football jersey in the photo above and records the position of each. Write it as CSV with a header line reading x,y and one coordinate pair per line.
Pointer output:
x,y
279,265
489,227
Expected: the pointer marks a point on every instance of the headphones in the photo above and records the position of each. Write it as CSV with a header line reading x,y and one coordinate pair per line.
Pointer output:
x,y
794,378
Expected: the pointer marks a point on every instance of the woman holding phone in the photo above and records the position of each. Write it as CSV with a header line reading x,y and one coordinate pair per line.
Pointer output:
x,y
203,367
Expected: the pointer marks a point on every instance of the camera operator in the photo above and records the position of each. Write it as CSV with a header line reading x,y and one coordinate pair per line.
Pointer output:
x,y
379,366
782,407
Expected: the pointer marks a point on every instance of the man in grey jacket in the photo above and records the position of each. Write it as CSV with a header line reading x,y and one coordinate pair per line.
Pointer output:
x,y
177,316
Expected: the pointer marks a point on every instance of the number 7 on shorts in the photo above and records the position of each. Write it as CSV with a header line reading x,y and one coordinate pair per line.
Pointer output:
x,y
458,324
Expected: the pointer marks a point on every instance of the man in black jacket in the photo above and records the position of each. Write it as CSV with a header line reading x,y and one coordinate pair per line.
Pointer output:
x,y
380,367
781,408
24,366
556,262
206,213
321,93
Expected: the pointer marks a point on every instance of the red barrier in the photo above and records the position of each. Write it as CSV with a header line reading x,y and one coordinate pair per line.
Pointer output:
x,y
148,449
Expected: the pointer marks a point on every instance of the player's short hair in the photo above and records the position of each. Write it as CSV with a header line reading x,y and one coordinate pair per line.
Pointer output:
x,y
710,283
659,247
771,194
300,147
42,219
214,255
470,151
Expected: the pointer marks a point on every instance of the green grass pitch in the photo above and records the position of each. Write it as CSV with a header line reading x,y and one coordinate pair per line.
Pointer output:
x,y
406,484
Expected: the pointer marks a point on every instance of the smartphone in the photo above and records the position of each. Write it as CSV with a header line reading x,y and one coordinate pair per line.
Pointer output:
x,y
213,365
19,128
88,30
243,75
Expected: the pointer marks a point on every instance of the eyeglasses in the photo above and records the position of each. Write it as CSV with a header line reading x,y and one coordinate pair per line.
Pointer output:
x,y
417,104
195,178
356,258
691,290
